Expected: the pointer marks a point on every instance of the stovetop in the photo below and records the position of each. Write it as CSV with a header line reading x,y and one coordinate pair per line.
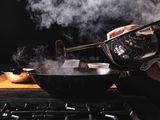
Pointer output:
x,y
35,104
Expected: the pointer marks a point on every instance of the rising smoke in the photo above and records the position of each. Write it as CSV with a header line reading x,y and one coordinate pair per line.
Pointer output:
x,y
91,16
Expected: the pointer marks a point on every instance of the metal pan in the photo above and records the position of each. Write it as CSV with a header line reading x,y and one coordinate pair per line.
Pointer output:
x,y
79,83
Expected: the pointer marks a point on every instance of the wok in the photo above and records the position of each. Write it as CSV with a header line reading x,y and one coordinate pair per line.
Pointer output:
x,y
128,51
91,82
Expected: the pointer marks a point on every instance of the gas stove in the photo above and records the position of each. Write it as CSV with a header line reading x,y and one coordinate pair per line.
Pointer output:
x,y
35,104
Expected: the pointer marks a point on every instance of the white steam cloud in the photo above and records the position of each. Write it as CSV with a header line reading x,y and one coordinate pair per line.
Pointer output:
x,y
82,13
65,12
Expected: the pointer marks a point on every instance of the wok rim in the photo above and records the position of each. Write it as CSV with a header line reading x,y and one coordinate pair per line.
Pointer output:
x,y
109,72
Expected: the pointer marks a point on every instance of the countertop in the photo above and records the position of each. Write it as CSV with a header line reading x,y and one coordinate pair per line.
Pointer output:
x,y
5,83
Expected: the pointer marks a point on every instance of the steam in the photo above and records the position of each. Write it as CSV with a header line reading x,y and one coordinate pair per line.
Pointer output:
x,y
19,55
31,57
91,16
42,63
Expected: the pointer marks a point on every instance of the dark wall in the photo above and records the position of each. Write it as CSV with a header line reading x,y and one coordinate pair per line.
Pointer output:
x,y
17,29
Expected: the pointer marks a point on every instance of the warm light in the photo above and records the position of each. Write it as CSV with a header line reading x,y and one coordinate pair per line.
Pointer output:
x,y
17,78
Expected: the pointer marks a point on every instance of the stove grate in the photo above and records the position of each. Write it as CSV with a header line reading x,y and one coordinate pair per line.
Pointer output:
x,y
66,111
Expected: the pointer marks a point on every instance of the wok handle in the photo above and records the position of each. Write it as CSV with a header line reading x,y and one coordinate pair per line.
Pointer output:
x,y
17,71
20,70
61,50
83,47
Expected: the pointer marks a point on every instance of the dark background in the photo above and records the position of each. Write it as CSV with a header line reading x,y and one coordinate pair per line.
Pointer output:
x,y
17,29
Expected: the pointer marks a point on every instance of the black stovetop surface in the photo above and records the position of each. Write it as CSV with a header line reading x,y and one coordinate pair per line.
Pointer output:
x,y
35,104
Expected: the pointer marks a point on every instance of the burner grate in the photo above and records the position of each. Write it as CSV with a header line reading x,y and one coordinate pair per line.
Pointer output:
x,y
66,111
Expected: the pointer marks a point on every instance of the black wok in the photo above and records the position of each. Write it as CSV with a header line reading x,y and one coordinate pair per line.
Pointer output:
x,y
73,82
78,83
